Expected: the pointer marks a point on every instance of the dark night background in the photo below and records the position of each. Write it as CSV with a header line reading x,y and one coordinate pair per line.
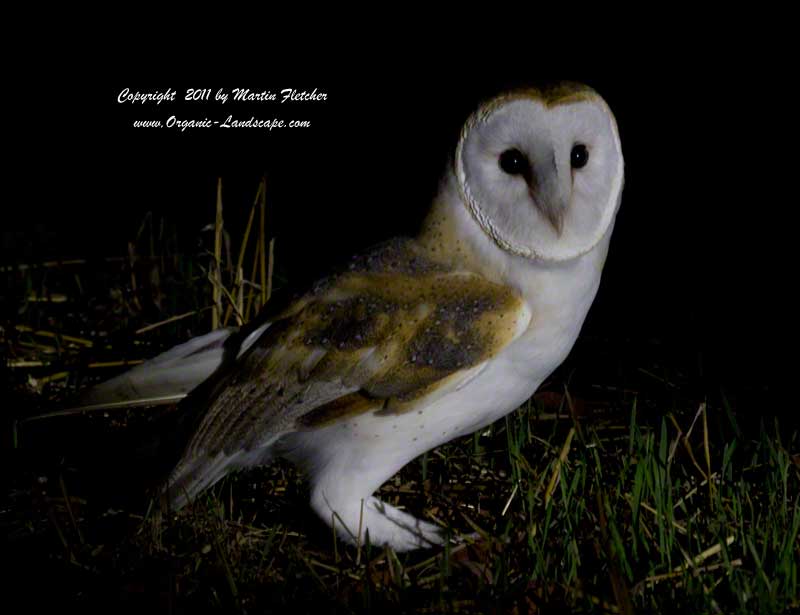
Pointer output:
x,y
698,263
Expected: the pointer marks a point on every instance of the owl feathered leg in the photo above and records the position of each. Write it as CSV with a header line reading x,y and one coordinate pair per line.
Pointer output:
x,y
348,506
343,476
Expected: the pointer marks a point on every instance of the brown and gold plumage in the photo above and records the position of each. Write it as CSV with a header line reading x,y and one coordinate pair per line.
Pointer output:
x,y
397,327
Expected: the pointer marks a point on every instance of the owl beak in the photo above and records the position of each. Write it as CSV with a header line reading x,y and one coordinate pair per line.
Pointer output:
x,y
547,196
554,213
548,188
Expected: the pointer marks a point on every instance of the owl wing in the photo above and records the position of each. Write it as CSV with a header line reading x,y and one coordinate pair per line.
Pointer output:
x,y
392,330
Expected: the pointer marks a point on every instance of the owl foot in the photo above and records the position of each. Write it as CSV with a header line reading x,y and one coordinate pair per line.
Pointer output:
x,y
385,524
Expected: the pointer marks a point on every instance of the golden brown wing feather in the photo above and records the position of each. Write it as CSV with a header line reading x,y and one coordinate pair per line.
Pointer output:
x,y
388,331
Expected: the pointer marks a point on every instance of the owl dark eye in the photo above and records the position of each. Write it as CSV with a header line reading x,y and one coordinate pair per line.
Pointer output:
x,y
513,162
579,156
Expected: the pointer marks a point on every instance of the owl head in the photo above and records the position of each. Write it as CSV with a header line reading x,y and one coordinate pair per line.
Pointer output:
x,y
541,170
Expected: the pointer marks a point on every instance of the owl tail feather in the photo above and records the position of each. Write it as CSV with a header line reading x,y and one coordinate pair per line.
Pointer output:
x,y
122,466
146,449
165,379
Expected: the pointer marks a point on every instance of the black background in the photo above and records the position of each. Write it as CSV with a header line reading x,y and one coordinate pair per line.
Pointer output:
x,y
700,256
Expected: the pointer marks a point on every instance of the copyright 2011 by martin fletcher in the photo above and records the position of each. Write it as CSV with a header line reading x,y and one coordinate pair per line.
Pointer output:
x,y
273,100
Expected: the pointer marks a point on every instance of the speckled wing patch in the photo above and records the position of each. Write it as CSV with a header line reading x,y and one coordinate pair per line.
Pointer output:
x,y
378,337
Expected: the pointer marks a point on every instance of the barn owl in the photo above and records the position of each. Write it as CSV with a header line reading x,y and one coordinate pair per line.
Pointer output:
x,y
419,340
